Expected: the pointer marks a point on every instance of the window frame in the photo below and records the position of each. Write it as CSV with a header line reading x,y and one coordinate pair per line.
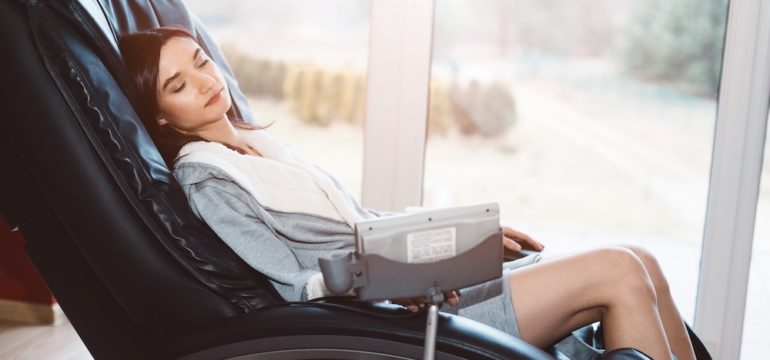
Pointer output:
x,y
736,170
395,140
397,90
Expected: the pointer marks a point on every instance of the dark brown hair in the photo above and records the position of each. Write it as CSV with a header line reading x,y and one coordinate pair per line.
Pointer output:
x,y
141,55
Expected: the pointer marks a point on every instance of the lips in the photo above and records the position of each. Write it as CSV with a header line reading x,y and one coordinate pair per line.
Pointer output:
x,y
215,97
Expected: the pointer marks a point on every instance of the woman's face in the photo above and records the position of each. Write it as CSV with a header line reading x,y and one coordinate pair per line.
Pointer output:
x,y
191,90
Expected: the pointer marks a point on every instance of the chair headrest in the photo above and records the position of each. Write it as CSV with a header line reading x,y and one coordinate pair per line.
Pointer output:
x,y
109,19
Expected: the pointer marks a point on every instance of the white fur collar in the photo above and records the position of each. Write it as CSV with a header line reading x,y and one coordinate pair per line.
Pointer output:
x,y
279,180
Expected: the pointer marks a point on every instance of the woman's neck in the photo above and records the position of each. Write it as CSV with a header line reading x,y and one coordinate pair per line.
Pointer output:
x,y
223,131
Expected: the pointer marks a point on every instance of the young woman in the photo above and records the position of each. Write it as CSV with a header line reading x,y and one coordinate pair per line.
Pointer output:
x,y
281,213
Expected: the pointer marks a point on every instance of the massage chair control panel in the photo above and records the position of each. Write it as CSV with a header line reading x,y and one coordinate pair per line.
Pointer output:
x,y
419,254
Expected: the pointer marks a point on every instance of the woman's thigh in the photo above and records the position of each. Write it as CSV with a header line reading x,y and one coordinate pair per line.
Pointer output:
x,y
490,302
557,295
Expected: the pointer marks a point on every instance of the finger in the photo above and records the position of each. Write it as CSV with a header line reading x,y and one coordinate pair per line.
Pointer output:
x,y
510,244
447,296
523,238
452,298
412,305
519,235
407,303
532,244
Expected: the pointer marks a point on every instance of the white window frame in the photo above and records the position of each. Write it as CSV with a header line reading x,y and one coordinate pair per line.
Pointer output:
x,y
397,90
736,167
395,140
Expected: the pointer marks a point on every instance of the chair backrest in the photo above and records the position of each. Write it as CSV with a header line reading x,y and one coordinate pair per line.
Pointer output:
x,y
105,222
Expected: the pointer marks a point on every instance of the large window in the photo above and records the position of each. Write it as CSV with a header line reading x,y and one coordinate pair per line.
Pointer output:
x,y
758,297
590,122
302,63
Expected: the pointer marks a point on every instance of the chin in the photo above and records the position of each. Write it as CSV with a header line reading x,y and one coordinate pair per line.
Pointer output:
x,y
220,108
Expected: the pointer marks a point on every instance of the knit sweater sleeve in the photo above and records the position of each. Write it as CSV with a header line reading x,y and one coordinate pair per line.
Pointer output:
x,y
239,225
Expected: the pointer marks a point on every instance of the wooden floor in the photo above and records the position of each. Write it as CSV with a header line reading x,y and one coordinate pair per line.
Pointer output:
x,y
19,341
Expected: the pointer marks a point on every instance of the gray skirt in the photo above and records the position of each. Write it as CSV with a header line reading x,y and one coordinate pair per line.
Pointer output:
x,y
490,303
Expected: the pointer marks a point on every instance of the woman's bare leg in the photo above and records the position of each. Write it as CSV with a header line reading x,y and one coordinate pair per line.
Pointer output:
x,y
676,332
554,297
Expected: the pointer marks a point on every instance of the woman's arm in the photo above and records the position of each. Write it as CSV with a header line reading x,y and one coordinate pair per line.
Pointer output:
x,y
241,228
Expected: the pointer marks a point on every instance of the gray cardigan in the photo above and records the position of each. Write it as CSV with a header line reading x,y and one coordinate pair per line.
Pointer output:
x,y
283,246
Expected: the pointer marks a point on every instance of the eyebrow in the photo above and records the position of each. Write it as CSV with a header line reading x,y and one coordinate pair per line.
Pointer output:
x,y
176,75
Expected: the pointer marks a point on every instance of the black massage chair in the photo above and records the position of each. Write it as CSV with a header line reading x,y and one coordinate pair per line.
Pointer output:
x,y
110,231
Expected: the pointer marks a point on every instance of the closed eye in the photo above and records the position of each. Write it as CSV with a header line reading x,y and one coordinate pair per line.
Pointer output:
x,y
203,63
180,88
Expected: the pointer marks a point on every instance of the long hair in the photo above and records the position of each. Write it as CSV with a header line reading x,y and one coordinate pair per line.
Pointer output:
x,y
141,55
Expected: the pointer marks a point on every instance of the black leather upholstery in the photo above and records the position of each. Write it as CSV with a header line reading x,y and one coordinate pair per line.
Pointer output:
x,y
456,335
90,102
77,139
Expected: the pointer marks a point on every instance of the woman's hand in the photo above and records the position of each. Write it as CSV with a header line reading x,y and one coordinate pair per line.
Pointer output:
x,y
517,240
416,304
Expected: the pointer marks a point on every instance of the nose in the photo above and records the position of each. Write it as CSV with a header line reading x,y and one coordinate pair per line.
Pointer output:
x,y
207,83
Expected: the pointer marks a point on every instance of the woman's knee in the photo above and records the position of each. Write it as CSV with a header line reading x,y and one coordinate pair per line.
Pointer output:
x,y
653,268
628,275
